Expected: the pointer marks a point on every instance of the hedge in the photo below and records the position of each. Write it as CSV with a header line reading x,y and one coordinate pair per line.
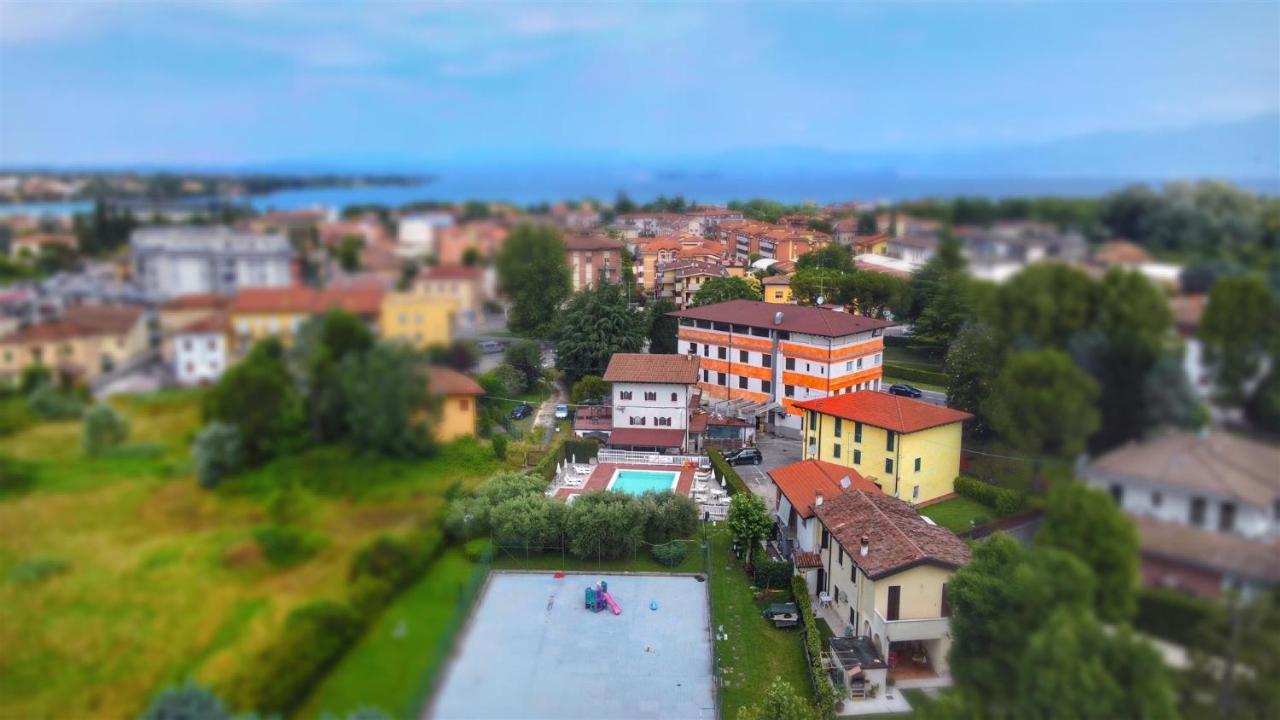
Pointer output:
x,y
902,372
823,691
1003,500
1175,616
733,481
773,573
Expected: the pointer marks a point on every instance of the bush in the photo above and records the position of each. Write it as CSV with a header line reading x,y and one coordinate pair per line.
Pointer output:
x,y
286,546
14,414
188,702
604,525
368,596
1176,617
581,450
668,517
38,569
315,636
499,443
1002,500
104,428
529,521
386,558
733,481
49,403
670,554
15,476
910,374
218,453
822,688
773,573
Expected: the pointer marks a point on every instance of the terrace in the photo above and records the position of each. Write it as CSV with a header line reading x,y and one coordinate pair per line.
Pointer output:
x,y
907,660
637,472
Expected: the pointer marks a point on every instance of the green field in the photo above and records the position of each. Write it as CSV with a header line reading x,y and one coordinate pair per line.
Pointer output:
x,y
119,575
957,513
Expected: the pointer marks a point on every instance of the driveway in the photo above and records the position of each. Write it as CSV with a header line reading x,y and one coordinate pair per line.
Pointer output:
x,y
777,452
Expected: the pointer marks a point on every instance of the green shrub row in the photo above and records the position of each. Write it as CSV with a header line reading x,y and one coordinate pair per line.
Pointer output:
x,y
733,481
285,546
16,476
824,693
1175,616
903,372
670,554
773,573
1003,500
546,467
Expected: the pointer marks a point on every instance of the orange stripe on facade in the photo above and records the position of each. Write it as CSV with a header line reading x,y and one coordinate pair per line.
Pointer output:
x,y
858,377
746,342
812,352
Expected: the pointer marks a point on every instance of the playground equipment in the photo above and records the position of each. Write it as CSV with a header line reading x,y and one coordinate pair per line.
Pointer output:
x,y
598,598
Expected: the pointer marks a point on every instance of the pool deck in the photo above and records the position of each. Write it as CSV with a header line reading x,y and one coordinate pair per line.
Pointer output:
x,y
603,473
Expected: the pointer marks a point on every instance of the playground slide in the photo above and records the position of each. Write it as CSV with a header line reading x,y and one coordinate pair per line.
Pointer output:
x,y
608,599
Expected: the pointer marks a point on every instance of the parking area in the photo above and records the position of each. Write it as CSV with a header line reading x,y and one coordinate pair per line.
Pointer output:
x,y
777,452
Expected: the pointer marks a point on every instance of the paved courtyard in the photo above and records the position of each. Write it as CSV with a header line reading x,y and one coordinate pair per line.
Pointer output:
x,y
531,650
777,452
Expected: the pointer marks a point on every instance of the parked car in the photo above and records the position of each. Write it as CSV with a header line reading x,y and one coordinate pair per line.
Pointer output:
x,y
521,411
905,390
562,412
744,456
489,347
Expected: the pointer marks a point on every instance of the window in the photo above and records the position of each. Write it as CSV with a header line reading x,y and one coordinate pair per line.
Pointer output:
x,y
675,397
848,366
790,363
1117,493
706,377
857,432
464,403
888,466
839,424
1156,499
722,379
1197,511
895,598
835,451
789,390
766,386
853,578
186,344
693,348
857,456
722,353
744,356
706,351
624,395
813,419
946,604
766,360
915,492
826,538
841,556
1227,517
888,443
742,382
651,396
917,464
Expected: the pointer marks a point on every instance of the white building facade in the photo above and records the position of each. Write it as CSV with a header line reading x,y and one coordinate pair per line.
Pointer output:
x,y
200,357
173,261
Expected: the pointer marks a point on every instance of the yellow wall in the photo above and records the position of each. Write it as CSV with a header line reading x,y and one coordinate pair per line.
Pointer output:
x,y
465,292
937,448
417,319
86,352
248,327
777,294
457,418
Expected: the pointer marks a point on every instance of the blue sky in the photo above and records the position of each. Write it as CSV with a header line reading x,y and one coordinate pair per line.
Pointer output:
x,y
244,82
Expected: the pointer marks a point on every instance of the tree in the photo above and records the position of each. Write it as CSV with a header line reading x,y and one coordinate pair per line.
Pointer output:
x,y
810,284
1263,406
258,396
349,252
781,702
946,261
104,429
1086,523
874,294
1238,327
596,324
1245,677
461,355
662,327
387,405
832,256
749,522
534,273
526,357
867,224
1042,404
218,452
1045,305
668,516
724,289
1168,398
623,204
322,343
475,210
186,702
972,362
946,312
589,387
604,525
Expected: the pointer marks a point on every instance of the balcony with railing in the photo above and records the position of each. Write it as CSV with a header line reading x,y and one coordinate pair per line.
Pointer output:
x,y
906,630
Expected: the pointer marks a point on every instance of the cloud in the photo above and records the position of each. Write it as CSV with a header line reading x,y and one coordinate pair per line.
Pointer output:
x,y
30,23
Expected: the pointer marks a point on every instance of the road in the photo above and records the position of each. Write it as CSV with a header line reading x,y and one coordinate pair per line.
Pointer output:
x,y
933,396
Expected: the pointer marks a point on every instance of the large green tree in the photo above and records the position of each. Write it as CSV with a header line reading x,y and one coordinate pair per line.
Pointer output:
x,y
388,410
946,262
832,256
596,324
534,273
662,327
322,343
258,396
1042,404
1086,523
749,522
1045,305
526,357
972,362
1239,326
724,289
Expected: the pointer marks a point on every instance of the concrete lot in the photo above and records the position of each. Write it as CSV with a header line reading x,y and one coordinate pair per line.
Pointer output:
x,y
531,650
777,452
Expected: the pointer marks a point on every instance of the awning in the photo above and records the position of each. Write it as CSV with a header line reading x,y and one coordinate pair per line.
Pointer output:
x,y
808,560
641,437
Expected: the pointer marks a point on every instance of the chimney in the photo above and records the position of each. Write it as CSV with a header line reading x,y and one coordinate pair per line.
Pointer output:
x,y
866,546
817,499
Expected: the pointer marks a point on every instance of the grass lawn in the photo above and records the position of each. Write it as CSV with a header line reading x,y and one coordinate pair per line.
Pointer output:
x,y
389,668
888,380
119,575
516,559
755,652
958,513
913,358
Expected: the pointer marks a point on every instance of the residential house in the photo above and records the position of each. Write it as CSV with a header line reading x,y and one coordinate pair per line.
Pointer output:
x,y
647,224
717,430
871,245
417,319
280,312
594,259
759,359
30,246
680,280
915,249
462,284
457,416
884,576
1197,497
483,238
909,447
201,350
1021,242
777,289
181,311
87,341
651,397
706,220
648,253
845,231
172,261
416,233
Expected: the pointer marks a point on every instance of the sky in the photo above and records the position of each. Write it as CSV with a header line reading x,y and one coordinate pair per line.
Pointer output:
x,y
237,83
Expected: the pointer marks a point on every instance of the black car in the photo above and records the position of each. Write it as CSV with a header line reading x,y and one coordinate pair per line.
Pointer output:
x,y
744,456
905,391
521,411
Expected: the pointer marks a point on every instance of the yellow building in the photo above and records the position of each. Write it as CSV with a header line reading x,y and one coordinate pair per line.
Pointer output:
x,y
464,285
458,408
909,447
87,341
777,289
259,313
884,573
417,319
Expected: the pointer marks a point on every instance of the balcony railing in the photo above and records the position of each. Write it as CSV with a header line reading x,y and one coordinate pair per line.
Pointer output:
x,y
901,630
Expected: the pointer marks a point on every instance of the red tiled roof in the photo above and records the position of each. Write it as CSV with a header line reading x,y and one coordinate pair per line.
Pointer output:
x,y
898,538
453,272
212,323
806,560
357,300
447,381
591,241
645,368
776,280
795,318
802,481
80,321
196,301
1259,559
641,437
891,412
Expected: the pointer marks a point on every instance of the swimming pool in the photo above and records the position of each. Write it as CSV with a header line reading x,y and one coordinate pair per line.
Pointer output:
x,y
637,482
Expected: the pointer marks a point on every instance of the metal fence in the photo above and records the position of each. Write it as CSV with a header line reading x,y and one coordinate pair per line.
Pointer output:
x,y
647,458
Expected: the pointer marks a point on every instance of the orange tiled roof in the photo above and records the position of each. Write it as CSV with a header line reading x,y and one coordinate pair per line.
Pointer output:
x,y
644,368
80,321
447,381
357,300
196,301
882,410
803,481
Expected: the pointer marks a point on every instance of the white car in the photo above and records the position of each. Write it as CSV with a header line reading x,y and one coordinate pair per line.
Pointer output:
x,y
562,412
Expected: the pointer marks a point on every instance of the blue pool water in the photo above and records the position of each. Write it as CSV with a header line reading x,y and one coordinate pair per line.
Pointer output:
x,y
637,482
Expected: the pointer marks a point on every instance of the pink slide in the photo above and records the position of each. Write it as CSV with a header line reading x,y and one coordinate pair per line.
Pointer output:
x,y
608,600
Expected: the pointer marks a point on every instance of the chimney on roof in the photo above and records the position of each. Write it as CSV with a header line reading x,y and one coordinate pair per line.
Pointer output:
x,y
817,499
866,546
